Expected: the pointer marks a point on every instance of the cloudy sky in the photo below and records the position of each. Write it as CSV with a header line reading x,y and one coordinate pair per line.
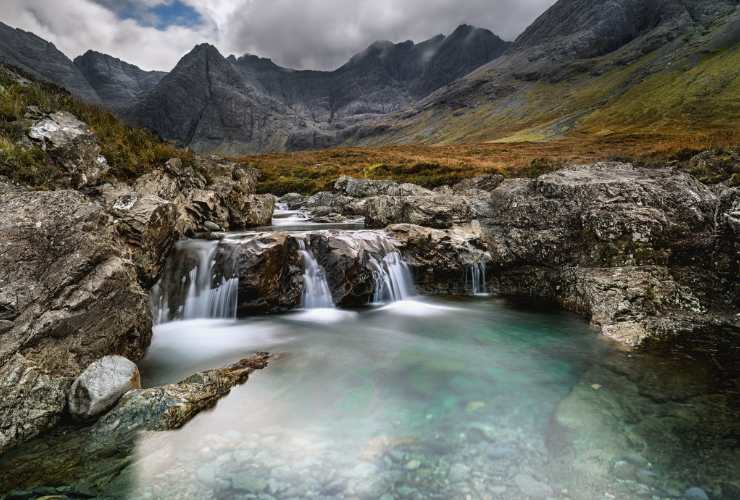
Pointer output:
x,y
306,34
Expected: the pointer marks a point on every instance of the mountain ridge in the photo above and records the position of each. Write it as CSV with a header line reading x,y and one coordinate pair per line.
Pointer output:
x,y
582,67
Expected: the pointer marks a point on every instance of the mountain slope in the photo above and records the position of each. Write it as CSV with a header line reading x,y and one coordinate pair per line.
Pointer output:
x,y
658,69
42,60
118,84
248,104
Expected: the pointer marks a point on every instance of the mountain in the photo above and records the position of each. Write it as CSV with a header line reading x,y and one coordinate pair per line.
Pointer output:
x,y
206,103
250,104
117,83
621,69
42,60
618,70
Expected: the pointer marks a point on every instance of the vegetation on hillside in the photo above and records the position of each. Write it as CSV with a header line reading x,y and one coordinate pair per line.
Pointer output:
x,y
431,166
130,151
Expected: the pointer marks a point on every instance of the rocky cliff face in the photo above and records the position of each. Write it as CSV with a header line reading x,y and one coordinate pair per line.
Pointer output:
x,y
41,59
118,84
250,104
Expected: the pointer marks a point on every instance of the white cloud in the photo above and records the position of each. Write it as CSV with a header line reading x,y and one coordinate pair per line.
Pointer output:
x,y
318,34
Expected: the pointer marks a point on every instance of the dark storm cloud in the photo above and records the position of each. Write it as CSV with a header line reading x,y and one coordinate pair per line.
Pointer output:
x,y
318,34
326,33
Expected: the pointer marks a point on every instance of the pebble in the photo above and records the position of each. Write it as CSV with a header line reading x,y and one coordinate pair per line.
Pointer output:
x,y
622,469
248,483
532,487
695,493
413,465
647,476
458,472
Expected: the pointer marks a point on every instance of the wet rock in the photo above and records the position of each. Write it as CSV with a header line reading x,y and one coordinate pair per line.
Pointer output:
x,y
413,465
101,385
73,146
251,484
438,258
171,406
647,477
624,470
212,226
294,201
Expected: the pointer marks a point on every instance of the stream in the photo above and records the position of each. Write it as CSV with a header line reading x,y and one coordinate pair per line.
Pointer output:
x,y
416,397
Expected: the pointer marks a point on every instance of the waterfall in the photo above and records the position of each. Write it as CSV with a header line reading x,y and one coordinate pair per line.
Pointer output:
x,y
316,292
475,274
192,286
283,216
393,281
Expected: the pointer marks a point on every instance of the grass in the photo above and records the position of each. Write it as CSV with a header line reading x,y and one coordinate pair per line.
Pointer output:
x,y
130,151
430,166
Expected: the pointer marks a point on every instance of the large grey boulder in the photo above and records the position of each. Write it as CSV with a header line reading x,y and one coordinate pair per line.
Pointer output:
x,y
101,385
434,210
647,254
73,147
364,188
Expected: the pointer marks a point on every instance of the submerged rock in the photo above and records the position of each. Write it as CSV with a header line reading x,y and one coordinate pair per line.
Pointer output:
x,y
101,385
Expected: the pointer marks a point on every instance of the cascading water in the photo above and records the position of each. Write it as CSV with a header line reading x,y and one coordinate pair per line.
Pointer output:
x,y
475,278
316,292
393,281
284,216
193,286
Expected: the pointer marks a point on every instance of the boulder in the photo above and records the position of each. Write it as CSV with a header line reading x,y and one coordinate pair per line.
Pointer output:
x,y
440,259
73,146
172,406
436,210
365,188
481,183
98,388
250,210
293,201
637,250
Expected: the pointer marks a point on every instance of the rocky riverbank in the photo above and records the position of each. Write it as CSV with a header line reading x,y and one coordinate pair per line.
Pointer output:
x,y
76,264
649,255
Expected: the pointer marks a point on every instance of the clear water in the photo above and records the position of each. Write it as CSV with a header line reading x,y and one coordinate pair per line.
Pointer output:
x,y
356,401
442,398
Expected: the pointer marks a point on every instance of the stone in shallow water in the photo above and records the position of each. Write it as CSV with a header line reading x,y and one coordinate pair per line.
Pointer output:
x,y
695,493
249,483
101,385
532,487
458,472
